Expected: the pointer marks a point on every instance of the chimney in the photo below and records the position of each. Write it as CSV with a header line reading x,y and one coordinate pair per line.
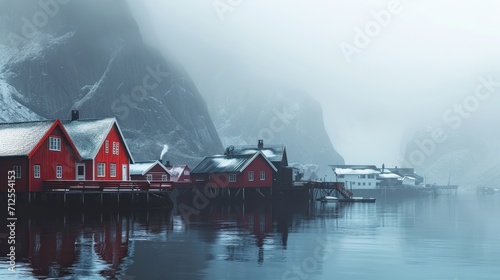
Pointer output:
x,y
75,115
261,144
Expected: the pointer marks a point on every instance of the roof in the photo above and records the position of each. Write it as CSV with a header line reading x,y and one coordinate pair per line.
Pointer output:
x,y
89,135
225,164
355,169
141,168
21,139
176,170
272,152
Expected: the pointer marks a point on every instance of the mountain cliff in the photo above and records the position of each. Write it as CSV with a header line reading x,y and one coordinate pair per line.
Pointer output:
x,y
89,55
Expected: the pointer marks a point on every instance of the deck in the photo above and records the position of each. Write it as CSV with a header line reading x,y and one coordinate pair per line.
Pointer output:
x,y
106,186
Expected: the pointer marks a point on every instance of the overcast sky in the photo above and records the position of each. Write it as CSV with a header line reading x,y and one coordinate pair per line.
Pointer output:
x,y
426,58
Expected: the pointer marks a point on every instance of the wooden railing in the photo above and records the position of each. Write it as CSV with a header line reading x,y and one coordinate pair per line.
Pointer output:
x,y
74,185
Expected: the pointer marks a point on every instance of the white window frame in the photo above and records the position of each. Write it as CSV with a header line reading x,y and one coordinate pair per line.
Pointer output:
x,y
54,144
112,170
232,178
186,172
250,176
101,166
149,177
164,177
263,175
36,171
59,171
18,170
117,148
106,147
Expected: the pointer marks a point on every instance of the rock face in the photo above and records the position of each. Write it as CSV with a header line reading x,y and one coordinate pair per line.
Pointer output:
x,y
89,55
244,113
466,152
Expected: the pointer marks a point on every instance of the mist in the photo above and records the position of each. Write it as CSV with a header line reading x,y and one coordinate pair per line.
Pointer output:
x,y
427,57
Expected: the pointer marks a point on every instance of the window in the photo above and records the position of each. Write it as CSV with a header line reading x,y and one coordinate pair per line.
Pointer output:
x,y
17,170
164,178
341,176
117,148
149,177
186,173
101,169
232,178
359,184
114,148
36,171
369,184
262,175
371,176
364,184
250,176
59,172
54,144
106,147
362,176
112,169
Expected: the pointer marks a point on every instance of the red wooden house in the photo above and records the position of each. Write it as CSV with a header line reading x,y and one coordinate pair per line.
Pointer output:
x,y
179,173
104,152
238,171
150,171
36,151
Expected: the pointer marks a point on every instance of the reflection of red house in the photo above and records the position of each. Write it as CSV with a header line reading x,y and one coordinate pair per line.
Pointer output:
x,y
102,146
48,250
37,151
151,171
179,173
240,171
112,246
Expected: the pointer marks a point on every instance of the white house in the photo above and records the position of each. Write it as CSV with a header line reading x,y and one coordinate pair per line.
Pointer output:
x,y
356,176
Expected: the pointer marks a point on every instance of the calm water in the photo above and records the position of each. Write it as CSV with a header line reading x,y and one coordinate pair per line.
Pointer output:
x,y
448,237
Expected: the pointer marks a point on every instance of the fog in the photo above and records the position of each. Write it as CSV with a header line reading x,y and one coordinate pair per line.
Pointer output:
x,y
423,58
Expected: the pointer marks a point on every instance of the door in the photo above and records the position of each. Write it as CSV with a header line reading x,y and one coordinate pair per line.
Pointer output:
x,y
124,173
80,171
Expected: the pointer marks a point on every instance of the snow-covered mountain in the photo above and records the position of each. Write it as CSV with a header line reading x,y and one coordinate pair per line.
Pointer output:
x,y
248,107
90,55
466,151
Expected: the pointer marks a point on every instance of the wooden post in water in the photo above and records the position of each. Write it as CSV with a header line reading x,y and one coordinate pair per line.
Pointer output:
x,y
243,193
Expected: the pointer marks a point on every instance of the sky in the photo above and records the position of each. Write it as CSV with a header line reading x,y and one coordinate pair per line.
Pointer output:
x,y
380,69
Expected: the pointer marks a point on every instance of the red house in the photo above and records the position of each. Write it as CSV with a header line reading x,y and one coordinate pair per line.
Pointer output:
x,y
36,151
104,152
179,173
150,171
238,171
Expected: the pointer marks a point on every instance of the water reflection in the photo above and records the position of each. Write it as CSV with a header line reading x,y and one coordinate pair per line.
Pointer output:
x,y
438,238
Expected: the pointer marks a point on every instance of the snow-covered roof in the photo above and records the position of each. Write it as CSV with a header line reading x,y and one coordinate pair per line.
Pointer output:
x,y
19,139
225,164
176,170
389,175
89,135
355,169
272,152
141,168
